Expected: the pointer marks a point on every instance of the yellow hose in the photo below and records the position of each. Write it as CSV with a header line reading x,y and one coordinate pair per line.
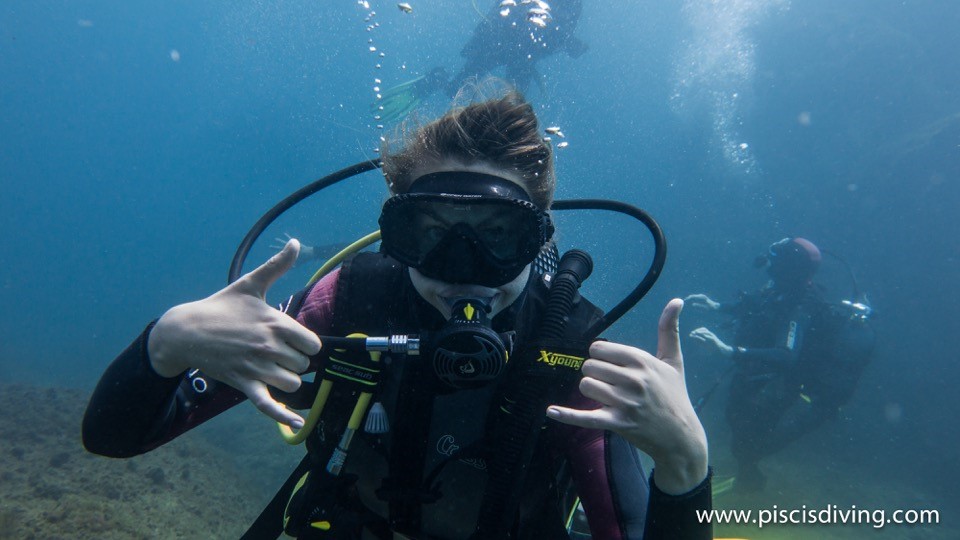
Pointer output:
x,y
318,403
343,254
326,385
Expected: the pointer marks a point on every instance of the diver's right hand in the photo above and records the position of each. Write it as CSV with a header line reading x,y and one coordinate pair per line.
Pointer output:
x,y
279,243
705,335
701,301
235,337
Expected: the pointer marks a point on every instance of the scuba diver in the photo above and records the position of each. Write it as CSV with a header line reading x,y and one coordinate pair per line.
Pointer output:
x,y
514,36
399,445
796,357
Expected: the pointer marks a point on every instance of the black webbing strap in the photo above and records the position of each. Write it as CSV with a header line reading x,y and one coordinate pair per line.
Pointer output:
x,y
521,417
404,489
269,524
352,370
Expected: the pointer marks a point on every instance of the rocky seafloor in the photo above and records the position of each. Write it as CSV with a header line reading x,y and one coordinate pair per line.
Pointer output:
x,y
213,482
51,488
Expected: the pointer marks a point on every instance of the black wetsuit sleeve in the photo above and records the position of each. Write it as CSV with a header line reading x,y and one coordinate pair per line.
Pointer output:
x,y
127,402
680,517
134,410
734,308
780,356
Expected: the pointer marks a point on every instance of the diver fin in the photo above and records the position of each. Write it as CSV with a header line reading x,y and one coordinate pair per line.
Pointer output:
x,y
722,485
398,101
395,101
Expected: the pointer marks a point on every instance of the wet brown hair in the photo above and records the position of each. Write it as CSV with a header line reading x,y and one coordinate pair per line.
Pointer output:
x,y
501,132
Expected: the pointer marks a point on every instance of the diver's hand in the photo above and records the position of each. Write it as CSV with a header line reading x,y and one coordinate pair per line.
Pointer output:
x,y
644,398
307,253
280,243
704,335
702,301
236,338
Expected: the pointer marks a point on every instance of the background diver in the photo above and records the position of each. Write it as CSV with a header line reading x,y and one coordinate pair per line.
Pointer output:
x,y
516,42
436,258
796,357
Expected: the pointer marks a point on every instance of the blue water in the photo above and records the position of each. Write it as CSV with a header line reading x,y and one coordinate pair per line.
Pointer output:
x,y
140,141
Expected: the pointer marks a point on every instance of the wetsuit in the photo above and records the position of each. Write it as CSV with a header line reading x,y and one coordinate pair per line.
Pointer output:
x,y
797,360
134,410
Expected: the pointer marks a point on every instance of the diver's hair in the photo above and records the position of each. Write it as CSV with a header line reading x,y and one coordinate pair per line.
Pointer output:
x,y
502,132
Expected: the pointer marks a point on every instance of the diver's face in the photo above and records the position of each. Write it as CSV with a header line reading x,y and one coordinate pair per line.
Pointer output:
x,y
442,295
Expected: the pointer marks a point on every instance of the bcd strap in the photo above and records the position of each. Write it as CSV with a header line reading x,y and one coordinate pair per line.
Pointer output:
x,y
296,504
269,525
313,502
319,508
546,376
354,371
565,357
404,489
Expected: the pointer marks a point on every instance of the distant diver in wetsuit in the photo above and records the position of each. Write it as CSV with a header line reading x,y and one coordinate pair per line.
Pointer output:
x,y
796,357
514,36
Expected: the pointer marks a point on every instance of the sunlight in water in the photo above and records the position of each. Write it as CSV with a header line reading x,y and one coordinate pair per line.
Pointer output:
x,y
714,69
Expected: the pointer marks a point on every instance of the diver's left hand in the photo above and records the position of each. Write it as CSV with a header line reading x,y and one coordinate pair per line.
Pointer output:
x,y
644,398
307,253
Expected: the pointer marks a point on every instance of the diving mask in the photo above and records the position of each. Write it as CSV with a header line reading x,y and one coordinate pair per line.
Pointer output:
x,y
464,227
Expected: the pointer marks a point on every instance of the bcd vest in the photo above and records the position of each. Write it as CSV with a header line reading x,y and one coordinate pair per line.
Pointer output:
x,y
433,463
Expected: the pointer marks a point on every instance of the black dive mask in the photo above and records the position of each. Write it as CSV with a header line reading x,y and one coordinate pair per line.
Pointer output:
x,y
464,227
466,353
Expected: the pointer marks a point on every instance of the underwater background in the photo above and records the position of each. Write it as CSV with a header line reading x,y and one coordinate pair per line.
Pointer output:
x,y
140,141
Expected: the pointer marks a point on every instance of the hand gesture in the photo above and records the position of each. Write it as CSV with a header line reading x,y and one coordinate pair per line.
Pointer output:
x,y
235,337
644,398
